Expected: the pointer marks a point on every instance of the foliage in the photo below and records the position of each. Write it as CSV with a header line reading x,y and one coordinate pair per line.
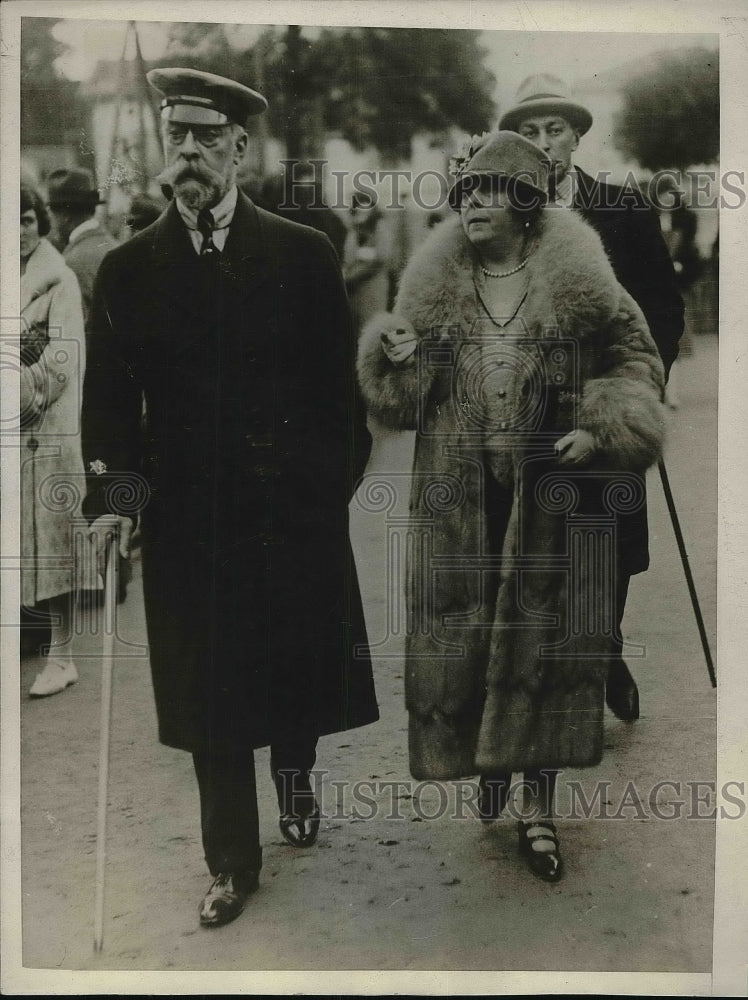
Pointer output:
x,y
51,111
373,86
670,117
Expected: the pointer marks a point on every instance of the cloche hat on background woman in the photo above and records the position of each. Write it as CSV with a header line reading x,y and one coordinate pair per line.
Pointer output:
x,y
544,94
501,154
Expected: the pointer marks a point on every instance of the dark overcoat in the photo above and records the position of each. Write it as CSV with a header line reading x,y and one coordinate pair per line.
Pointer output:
x,y
252,445
511,580
630,232
631,236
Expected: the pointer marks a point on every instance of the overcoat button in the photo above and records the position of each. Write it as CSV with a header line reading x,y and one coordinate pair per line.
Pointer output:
x,y
502,393
33,444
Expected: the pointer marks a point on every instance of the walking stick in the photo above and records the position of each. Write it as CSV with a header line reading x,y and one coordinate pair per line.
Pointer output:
x,y
687,570
110,604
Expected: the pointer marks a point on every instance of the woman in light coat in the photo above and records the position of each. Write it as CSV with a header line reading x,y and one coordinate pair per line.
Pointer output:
x,y
535,390
52,481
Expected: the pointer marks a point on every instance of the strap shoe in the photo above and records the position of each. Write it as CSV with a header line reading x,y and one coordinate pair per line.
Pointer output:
x,y
538,845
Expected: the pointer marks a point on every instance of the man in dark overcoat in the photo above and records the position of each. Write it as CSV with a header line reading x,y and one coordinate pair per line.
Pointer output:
x,y
233,326
545,113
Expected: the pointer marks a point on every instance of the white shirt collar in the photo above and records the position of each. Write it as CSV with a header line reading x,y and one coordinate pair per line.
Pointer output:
x,y
565,189
222,213
84,227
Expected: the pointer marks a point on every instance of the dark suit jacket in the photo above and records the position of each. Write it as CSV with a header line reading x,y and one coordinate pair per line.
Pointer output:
x,y
630,232
253,443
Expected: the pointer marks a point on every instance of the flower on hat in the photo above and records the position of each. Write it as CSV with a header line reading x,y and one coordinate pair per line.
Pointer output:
x,y
469,148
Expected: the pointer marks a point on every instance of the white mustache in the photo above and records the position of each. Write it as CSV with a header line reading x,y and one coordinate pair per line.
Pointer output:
x,y
178,171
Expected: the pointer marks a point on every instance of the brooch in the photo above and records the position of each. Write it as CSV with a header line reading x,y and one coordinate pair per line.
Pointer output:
x,y
97,467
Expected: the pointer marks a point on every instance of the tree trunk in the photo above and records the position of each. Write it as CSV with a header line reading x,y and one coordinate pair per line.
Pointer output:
x,y
293,112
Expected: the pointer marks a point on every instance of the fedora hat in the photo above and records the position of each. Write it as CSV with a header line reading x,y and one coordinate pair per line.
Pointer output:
x,y
72,187
501,154
544,94
194,97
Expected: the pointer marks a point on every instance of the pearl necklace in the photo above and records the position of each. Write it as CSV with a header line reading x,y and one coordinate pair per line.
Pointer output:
x,y
504,274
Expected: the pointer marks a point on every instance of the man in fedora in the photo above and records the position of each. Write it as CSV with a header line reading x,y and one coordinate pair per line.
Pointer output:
x,y
233,325
629,229
82,239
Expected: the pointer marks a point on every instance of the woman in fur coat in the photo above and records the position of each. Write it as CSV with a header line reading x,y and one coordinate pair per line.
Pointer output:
x,y
52,359
535,390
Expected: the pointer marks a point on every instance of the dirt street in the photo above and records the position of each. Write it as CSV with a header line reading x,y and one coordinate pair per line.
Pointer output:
x,y
394,891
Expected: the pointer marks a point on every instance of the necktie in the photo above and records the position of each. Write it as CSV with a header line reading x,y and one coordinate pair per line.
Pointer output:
x,y
206,225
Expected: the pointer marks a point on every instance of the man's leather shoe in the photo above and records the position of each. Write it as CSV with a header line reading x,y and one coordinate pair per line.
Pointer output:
x,y
226,898
300,831
621,692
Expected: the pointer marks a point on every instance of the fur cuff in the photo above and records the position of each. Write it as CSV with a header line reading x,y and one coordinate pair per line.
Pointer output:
x,y
627,419
392,393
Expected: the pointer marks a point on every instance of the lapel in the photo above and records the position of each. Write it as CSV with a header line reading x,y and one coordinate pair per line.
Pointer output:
x,y
586,193
246,255
193,311
172,246
243,261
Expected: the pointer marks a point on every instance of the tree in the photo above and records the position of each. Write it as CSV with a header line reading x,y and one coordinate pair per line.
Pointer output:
x,y
405,80
373,86
51,110
670,117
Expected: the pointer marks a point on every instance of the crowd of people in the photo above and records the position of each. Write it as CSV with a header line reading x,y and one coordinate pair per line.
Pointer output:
x,y
229,359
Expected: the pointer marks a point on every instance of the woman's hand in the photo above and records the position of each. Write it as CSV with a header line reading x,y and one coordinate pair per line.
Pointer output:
x,y
399,344
576,448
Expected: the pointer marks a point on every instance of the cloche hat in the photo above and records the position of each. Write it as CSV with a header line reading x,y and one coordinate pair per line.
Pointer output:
x,y
545,94
501,154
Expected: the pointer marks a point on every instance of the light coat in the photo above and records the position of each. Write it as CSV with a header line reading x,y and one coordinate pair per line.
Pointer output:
x,y
493,681
52,480
83,255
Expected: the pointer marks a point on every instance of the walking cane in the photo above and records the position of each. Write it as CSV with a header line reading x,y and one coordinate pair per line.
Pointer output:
x,y
110,604
687,570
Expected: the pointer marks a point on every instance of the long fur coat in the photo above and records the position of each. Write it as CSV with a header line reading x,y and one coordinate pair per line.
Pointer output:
x,y
52,481
510,588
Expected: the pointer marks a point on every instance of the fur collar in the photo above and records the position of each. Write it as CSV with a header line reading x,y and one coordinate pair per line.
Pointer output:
x,y
571,282
44,268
